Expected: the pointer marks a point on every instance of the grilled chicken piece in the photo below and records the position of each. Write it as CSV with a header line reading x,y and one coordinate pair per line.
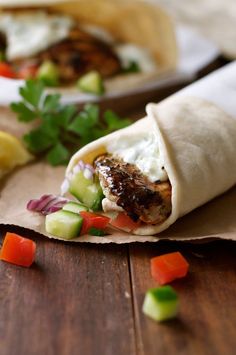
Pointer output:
x,y
79,54
124,184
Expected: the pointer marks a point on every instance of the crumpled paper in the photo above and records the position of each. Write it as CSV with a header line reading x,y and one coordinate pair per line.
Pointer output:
x,y
216,219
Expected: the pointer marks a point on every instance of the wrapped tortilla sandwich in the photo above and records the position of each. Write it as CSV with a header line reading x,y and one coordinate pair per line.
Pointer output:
x,y
61,41
177,158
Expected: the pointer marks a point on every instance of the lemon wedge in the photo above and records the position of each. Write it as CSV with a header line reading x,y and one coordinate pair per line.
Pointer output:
x,y
12,153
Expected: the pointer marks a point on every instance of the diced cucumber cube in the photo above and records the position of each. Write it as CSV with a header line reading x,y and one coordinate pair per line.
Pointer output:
x,y
78,184
86,191
48,73
64,224
93,196
161,303
92,83
74,207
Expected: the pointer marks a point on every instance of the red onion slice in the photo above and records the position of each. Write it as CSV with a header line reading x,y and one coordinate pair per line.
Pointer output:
x,y
46,204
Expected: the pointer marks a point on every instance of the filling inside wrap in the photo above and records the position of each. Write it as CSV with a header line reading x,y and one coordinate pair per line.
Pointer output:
x,y
28,39
133,179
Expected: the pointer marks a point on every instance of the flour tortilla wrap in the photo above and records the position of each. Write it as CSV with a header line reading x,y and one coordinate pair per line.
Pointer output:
x,y
131,21
197,141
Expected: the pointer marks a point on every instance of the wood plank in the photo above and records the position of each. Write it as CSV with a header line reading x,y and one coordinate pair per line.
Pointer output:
x,y
74,300
207,319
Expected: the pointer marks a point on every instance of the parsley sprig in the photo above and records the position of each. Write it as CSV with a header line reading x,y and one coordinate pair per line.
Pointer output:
x,y
60,129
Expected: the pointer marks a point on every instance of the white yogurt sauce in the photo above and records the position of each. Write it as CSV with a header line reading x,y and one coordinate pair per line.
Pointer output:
x,y
27,34
128,52
143,151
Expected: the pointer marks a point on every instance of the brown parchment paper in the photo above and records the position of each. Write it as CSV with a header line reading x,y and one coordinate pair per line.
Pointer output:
x,y
216,219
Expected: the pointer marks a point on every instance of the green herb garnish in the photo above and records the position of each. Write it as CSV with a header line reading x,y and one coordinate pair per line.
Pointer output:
x,y
97,232
61,129
2,56
132,67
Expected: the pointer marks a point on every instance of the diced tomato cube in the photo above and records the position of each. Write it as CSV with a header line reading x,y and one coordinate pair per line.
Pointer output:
x,y
91,219
168,267
18,250
6,70
122,221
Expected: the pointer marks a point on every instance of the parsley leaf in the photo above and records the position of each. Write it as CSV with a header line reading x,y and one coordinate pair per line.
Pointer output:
x,y
58,155
25,114
132,67
32,92
38,141
60,129
97,232
51,102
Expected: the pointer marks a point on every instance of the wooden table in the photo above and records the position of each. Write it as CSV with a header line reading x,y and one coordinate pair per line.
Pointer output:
x,y
87,300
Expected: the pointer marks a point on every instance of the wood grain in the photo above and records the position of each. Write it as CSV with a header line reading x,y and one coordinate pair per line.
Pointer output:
x,y
207,319
76,299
